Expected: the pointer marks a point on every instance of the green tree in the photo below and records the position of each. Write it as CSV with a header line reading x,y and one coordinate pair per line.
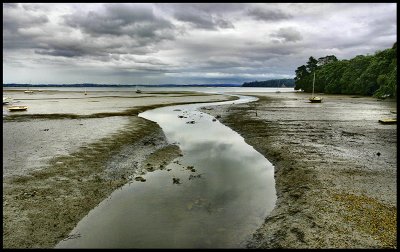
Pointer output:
x,y
387,78
350,81
326,60
301,74
312,64
364,74
333,73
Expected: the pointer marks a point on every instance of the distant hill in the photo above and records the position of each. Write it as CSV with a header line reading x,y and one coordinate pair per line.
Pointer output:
x,y
270,83
119,85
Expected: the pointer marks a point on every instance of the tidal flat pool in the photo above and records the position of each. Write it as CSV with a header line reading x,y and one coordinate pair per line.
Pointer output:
x,y
214,196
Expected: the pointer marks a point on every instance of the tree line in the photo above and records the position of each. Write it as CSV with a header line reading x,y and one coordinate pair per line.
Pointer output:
x,y
362,75
270,83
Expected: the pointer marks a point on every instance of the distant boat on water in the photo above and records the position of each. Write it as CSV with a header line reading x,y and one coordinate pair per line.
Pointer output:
x,y
138,90
314,99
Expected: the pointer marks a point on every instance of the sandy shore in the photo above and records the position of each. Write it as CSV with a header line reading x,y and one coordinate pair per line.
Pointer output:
x,y
69,151
335,168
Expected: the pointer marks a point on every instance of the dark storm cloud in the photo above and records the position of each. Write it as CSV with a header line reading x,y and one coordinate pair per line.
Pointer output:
x,y
186,42
17,23
203,20
61,52
137,28
268,14
206,7
207,16
12,21
136,21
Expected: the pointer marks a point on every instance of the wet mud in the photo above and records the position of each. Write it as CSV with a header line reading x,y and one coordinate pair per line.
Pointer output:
x,y
334,189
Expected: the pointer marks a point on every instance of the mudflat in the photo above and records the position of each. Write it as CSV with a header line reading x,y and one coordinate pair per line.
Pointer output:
x,y
335,164
70,151
335,168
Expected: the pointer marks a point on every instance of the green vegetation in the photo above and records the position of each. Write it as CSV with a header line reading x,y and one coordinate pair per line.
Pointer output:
x,y
270,83
362,75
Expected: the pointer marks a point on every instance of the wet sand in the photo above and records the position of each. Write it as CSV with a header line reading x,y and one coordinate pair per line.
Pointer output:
x,y
335,168
69,151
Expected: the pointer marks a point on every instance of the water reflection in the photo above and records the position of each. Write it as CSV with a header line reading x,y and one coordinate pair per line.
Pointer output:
x,y
217,205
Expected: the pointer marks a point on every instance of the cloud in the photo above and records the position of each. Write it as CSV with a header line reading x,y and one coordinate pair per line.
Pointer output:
x,y
288,34
203,20
208,16
268,14
15,19
185,43
136,21
10,5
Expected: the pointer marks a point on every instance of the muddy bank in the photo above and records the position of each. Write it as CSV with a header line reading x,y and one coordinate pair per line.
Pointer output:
x,y
41,208
42,205
335,169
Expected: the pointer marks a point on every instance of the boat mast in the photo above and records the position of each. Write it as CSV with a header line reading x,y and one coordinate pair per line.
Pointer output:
x,y
313,85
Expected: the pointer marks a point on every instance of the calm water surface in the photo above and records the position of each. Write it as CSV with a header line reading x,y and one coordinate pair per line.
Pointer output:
x,y
217,204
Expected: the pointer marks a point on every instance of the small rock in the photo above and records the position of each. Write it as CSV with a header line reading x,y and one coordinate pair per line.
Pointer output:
x,y
176,180
141,179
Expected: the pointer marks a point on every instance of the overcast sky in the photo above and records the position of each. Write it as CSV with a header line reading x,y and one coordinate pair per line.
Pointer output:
x,y
184,43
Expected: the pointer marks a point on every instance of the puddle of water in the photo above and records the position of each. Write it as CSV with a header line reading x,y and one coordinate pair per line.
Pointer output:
x,y
218,203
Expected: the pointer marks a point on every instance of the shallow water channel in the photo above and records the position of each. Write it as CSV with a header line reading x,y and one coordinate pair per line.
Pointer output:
x,y
218,203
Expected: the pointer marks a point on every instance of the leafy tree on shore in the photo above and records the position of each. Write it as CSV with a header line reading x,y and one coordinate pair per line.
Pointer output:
x,y
312,64
326,60
300,79
363,75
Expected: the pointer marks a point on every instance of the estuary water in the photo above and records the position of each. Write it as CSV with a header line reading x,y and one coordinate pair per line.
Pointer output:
x,y
214,196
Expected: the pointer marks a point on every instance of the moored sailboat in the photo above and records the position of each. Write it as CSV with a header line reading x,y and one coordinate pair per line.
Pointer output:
x,y
314,99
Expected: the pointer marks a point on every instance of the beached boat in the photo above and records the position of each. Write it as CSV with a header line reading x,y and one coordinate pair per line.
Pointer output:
x,y
7,100
17,108
138,90
314,99
28,91
388,121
